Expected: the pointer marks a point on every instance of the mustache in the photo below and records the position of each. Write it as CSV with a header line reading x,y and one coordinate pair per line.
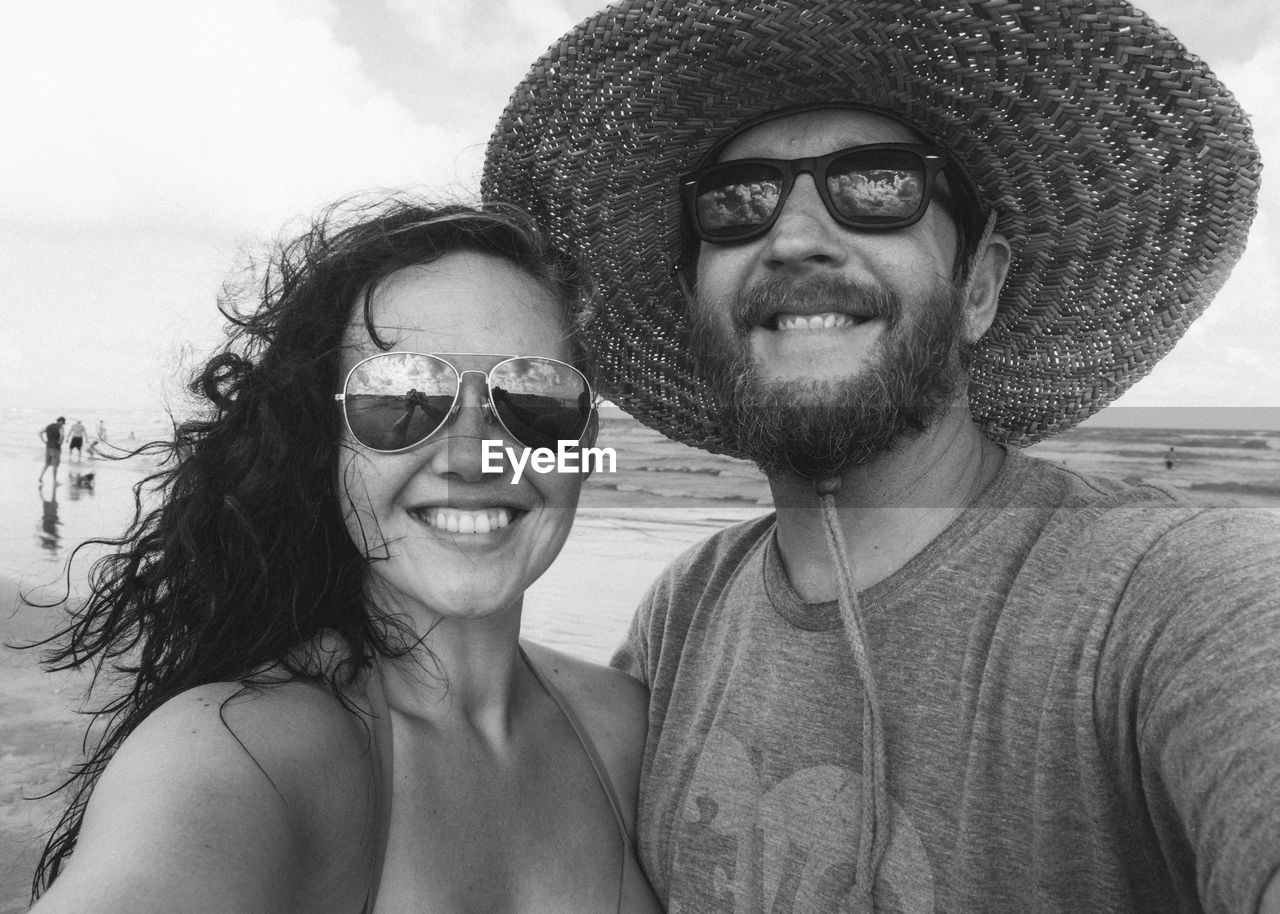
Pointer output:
x,y
813,429
754,306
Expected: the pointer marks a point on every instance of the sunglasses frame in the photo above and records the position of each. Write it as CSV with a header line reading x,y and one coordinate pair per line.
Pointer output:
x,y
933,160
488,404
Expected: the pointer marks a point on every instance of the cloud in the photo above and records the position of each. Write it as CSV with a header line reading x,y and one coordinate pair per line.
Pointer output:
x,y
480,51
144,142
1222,33
1228,357
490,30
226,115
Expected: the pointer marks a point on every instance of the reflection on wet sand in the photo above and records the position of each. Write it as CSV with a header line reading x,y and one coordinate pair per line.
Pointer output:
x,y
50,536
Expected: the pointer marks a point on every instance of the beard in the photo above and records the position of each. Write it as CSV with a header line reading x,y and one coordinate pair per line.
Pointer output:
x,y
816,428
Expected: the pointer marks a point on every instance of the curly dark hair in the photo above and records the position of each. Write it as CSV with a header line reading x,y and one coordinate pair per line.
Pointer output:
x,y
245,559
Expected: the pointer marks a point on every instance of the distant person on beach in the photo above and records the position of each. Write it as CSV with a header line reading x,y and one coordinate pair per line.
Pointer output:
x,y
877,248
100,438
51,435
328,704
1168,460
77,439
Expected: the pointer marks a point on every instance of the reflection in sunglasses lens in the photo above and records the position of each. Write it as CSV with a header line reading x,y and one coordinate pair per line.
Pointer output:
x,y
738,197
867,188
397,400
541,402
873,191
389,422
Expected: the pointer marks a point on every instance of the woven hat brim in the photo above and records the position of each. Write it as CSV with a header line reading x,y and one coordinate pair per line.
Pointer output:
x,y
1124,173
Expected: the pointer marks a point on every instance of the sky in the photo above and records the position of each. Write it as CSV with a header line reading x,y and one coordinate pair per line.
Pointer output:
x,y
148,145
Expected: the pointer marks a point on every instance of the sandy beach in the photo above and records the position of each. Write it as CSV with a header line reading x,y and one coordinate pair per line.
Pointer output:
x,y
662,499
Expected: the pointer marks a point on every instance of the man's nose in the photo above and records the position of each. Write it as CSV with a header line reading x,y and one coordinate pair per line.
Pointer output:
x,y
804,234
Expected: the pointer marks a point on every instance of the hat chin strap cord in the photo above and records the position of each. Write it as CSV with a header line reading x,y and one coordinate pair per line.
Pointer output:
x,y
874,803
874,836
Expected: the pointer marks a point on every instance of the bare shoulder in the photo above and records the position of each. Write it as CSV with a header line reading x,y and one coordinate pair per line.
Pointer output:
x,y
280,722
224,778
312,748
595,690
278,729
613,707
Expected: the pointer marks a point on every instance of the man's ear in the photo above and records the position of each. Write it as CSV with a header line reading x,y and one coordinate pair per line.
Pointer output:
x,y
986,279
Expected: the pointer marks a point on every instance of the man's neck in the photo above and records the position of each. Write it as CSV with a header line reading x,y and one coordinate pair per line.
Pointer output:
x,y
889,510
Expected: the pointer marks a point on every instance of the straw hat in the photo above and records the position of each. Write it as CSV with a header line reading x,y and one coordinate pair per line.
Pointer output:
x,y
1124,174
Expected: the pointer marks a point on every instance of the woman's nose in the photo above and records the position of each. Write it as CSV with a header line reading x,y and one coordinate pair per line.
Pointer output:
x,y
466,430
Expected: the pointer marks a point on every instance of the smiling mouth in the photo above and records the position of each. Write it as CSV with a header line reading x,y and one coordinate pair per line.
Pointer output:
x,y
458,520
827,320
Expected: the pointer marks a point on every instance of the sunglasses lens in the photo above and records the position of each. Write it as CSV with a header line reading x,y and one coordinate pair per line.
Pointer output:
x,y
735,200
396,400
876,187
541,401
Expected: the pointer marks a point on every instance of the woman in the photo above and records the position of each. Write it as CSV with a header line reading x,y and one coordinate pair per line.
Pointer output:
x,y
330,708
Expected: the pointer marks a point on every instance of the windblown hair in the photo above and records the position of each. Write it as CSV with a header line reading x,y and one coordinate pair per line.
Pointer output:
x,y
245,561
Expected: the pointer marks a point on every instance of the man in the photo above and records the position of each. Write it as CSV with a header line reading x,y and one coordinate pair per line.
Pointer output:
x,y
51,435
77,439
876,246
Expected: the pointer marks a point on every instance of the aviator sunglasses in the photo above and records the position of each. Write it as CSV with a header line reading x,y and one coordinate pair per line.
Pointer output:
x,y
879,186
394,401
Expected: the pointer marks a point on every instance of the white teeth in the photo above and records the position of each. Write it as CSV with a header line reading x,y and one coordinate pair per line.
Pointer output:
x,y
455,520
825,321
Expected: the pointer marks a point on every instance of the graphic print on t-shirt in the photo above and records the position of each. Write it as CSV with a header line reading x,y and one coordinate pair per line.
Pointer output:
x,y
786,848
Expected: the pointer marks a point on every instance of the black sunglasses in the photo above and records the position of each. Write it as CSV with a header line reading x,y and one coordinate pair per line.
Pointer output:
x,y
879,186
394,401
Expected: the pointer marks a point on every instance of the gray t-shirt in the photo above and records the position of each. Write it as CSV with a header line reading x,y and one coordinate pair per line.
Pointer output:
x,y
1079,682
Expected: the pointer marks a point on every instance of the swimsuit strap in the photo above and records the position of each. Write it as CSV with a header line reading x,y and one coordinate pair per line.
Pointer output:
x,y
380,751
597,765
602,773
